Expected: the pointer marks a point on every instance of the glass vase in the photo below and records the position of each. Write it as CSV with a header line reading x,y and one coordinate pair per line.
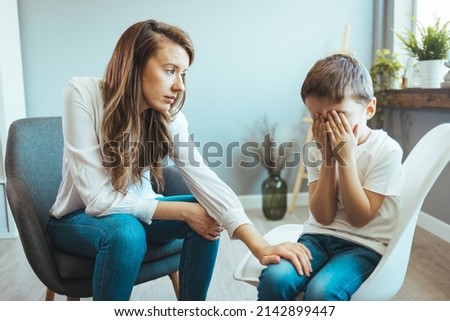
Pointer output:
x,y
274,195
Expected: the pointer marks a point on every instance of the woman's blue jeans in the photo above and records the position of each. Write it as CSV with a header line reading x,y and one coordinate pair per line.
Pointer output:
x,y
119,243
339,268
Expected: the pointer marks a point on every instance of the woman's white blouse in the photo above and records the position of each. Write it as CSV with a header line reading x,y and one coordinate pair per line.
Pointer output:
x,y
86,183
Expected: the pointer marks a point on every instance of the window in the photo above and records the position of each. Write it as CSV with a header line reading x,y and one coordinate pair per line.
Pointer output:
x,y
427,11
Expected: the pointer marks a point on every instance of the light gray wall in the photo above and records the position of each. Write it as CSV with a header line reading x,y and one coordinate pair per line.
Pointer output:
x,y
252,56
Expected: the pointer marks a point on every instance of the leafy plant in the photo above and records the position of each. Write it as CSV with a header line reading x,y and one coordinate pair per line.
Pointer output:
x,y
433,43
385,70
384,73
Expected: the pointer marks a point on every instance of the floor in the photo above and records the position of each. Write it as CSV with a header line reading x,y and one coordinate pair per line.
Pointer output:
x,y
427,277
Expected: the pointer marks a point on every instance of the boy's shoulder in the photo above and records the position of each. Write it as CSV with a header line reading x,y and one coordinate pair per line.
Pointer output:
x,y
382,138
382,146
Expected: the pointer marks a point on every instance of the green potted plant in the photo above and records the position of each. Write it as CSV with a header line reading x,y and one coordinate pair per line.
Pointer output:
x,y
385,74
430,47
385,70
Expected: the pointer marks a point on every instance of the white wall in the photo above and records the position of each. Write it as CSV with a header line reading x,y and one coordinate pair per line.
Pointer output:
x,y
252,57
12,98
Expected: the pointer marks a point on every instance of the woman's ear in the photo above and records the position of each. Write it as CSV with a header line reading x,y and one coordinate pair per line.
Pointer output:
x,y
371,108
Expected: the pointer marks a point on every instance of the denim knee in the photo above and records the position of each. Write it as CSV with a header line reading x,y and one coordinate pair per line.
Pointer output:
x,y
325,290
126,236
279,282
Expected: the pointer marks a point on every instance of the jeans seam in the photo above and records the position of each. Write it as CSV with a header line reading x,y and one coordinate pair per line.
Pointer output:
x,y
186,260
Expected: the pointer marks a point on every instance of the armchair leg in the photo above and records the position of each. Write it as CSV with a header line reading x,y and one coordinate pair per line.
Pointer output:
x,y
49,295
175,282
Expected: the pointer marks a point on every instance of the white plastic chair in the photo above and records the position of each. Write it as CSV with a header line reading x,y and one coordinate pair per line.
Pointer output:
x,y
422,167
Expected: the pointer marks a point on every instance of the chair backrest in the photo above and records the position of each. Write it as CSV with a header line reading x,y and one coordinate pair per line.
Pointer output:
x,y
34,158
33,164
422,168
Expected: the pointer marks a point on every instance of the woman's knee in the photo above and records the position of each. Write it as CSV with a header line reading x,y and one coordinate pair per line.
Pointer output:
x,y
125,234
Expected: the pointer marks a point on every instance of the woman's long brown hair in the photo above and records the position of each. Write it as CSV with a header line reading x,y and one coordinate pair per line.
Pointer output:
x,y
134,140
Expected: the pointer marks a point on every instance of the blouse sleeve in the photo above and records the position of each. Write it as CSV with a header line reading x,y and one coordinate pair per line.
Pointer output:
x,y
84,159
212,193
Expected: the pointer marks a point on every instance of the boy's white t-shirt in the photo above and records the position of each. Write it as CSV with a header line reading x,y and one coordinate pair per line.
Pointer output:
x,y
379,169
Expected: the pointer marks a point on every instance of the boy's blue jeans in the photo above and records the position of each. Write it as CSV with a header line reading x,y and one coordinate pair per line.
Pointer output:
x,y
339,268
119,243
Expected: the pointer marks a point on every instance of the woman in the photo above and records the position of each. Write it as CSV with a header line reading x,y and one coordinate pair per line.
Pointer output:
x,y
117,132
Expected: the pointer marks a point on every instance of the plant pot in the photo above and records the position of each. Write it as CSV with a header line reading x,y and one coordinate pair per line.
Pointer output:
x,y
431,73
274,195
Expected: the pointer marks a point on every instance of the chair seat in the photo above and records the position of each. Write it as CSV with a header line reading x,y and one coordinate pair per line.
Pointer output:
x,y
76,267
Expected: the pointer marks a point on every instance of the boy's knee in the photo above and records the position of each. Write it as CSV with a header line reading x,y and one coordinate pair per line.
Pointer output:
x,y
277,282
319,291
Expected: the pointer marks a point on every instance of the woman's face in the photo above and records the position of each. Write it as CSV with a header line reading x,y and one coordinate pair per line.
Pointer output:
x,y
163,76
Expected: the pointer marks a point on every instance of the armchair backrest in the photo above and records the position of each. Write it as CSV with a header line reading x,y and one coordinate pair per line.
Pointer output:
x,y
33,162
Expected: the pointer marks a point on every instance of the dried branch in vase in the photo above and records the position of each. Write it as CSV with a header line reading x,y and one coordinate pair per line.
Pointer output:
x,y
273,154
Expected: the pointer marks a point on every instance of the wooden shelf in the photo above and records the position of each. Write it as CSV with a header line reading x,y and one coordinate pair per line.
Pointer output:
x,y
415,98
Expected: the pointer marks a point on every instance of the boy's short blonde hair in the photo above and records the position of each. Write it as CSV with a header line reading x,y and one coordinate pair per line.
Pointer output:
x,y
338,77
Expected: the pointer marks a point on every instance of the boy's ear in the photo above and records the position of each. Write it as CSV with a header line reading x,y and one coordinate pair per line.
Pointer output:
x,y
371,108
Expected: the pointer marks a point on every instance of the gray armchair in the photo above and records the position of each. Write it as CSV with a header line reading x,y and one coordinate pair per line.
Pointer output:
x,y
33,172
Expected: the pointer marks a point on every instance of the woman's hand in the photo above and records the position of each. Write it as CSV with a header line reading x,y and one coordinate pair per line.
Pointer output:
x,y
198,219
296,253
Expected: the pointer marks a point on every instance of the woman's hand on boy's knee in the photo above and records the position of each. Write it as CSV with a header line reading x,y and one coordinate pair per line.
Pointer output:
x,y
296,253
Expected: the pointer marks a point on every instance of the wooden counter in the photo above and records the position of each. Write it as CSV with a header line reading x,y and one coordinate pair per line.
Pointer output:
x,y
414,98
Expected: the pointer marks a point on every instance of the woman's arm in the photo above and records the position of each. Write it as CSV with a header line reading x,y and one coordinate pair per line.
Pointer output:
x,y
216,197
191,213
221,203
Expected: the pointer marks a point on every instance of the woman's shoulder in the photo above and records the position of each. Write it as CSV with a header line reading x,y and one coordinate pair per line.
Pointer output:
x,y
179,122
83,94
84,84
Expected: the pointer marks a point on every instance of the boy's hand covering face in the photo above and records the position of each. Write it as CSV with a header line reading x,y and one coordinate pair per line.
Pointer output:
x,y
321,136
342,138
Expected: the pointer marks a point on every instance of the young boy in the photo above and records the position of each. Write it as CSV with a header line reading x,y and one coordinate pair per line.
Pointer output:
x,y
355,179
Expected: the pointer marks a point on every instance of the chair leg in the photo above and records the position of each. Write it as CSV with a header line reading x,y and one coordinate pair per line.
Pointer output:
x,y
72,298
175,282
49,295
